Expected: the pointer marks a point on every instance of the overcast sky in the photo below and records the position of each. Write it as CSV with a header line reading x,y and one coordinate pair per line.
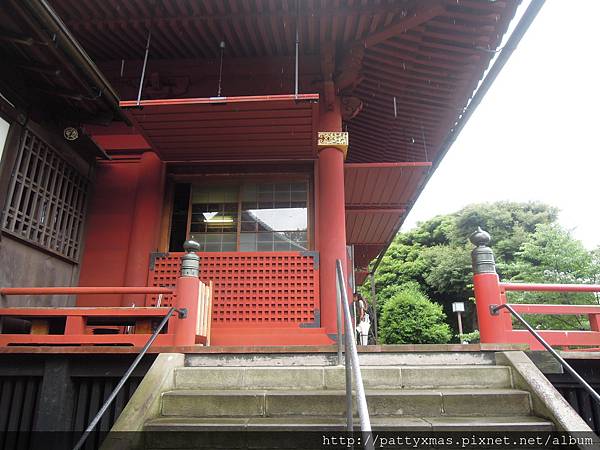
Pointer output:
x,y
536,135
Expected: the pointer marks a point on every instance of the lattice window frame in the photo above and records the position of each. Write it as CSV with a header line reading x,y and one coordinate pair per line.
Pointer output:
x,y
47,199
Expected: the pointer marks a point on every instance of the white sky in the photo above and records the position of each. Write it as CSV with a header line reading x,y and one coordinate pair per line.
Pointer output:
x,y
535,136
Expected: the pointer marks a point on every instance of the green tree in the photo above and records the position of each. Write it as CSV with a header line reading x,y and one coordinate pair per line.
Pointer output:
x,y
436,256
509,224
552,255
409,317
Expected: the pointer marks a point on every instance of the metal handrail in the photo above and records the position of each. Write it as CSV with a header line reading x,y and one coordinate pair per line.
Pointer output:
x,y
495,310
182,312
353,365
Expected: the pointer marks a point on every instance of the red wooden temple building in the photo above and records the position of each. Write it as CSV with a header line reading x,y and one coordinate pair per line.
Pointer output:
x,y
276,137
280,136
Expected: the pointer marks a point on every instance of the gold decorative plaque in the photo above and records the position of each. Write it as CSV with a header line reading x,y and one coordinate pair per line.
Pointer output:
x,y
333,139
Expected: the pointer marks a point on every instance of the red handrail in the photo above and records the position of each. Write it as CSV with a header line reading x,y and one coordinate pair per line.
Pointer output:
x,y
528,308
79,290
536,287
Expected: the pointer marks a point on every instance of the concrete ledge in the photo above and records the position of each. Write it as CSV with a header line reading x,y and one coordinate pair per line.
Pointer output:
x,y
546,400
199,349
144,404
304,359
400,348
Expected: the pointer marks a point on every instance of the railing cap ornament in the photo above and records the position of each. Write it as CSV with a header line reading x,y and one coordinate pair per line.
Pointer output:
x,y
482,256
190,262
191,246
480,238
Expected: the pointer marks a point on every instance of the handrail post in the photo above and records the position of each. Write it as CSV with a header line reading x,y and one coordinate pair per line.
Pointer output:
x,y
348,371
339,322
594,322
347,366
486,285
187,290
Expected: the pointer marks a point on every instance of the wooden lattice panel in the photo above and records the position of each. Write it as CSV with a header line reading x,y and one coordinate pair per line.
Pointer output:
x,y
46,199
250,288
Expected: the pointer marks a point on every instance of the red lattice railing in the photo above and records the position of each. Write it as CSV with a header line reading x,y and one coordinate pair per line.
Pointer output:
x,y
249,288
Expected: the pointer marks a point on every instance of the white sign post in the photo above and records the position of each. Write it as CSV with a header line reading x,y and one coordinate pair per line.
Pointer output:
x,y
458,308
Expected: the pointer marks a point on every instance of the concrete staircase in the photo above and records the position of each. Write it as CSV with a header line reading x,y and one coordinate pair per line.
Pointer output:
x,y
405,392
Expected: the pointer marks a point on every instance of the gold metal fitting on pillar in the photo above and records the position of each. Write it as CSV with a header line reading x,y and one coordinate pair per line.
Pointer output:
x,y
333,139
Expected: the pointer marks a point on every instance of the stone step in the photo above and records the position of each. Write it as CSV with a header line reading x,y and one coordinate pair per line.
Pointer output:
x,y
333,377
328,423
381,402
312,432
425,358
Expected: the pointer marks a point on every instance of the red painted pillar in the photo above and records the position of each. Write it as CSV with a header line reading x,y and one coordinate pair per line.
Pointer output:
x,y
487,293
145,226
187,288
331,221
492,328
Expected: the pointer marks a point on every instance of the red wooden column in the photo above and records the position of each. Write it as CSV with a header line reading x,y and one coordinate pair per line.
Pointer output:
x,y
145,226
331,221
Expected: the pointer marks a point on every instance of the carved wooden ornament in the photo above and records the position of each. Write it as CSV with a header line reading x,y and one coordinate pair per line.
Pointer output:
x,y
333,139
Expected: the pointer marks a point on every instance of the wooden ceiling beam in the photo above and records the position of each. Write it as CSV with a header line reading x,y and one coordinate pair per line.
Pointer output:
x,y
428,73
16,38
400,75
390,89
198,16
424,11
39,68
349,73
455,67
401,124
431,51
399,81
327,72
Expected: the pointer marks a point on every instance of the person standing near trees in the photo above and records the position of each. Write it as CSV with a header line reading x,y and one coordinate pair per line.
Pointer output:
x,y
364,322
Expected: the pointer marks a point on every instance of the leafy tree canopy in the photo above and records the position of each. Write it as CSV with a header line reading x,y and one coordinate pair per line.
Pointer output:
x,y
551,255
528,244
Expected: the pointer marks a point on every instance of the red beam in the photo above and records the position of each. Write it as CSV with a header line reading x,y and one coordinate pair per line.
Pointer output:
x,y
66,290
380,210
536,287
219,100
135,340
384,165
121,142
556,309
99,311
555,338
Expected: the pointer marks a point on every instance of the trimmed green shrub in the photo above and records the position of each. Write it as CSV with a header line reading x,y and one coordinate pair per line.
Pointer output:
x,y
471,338
409,317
